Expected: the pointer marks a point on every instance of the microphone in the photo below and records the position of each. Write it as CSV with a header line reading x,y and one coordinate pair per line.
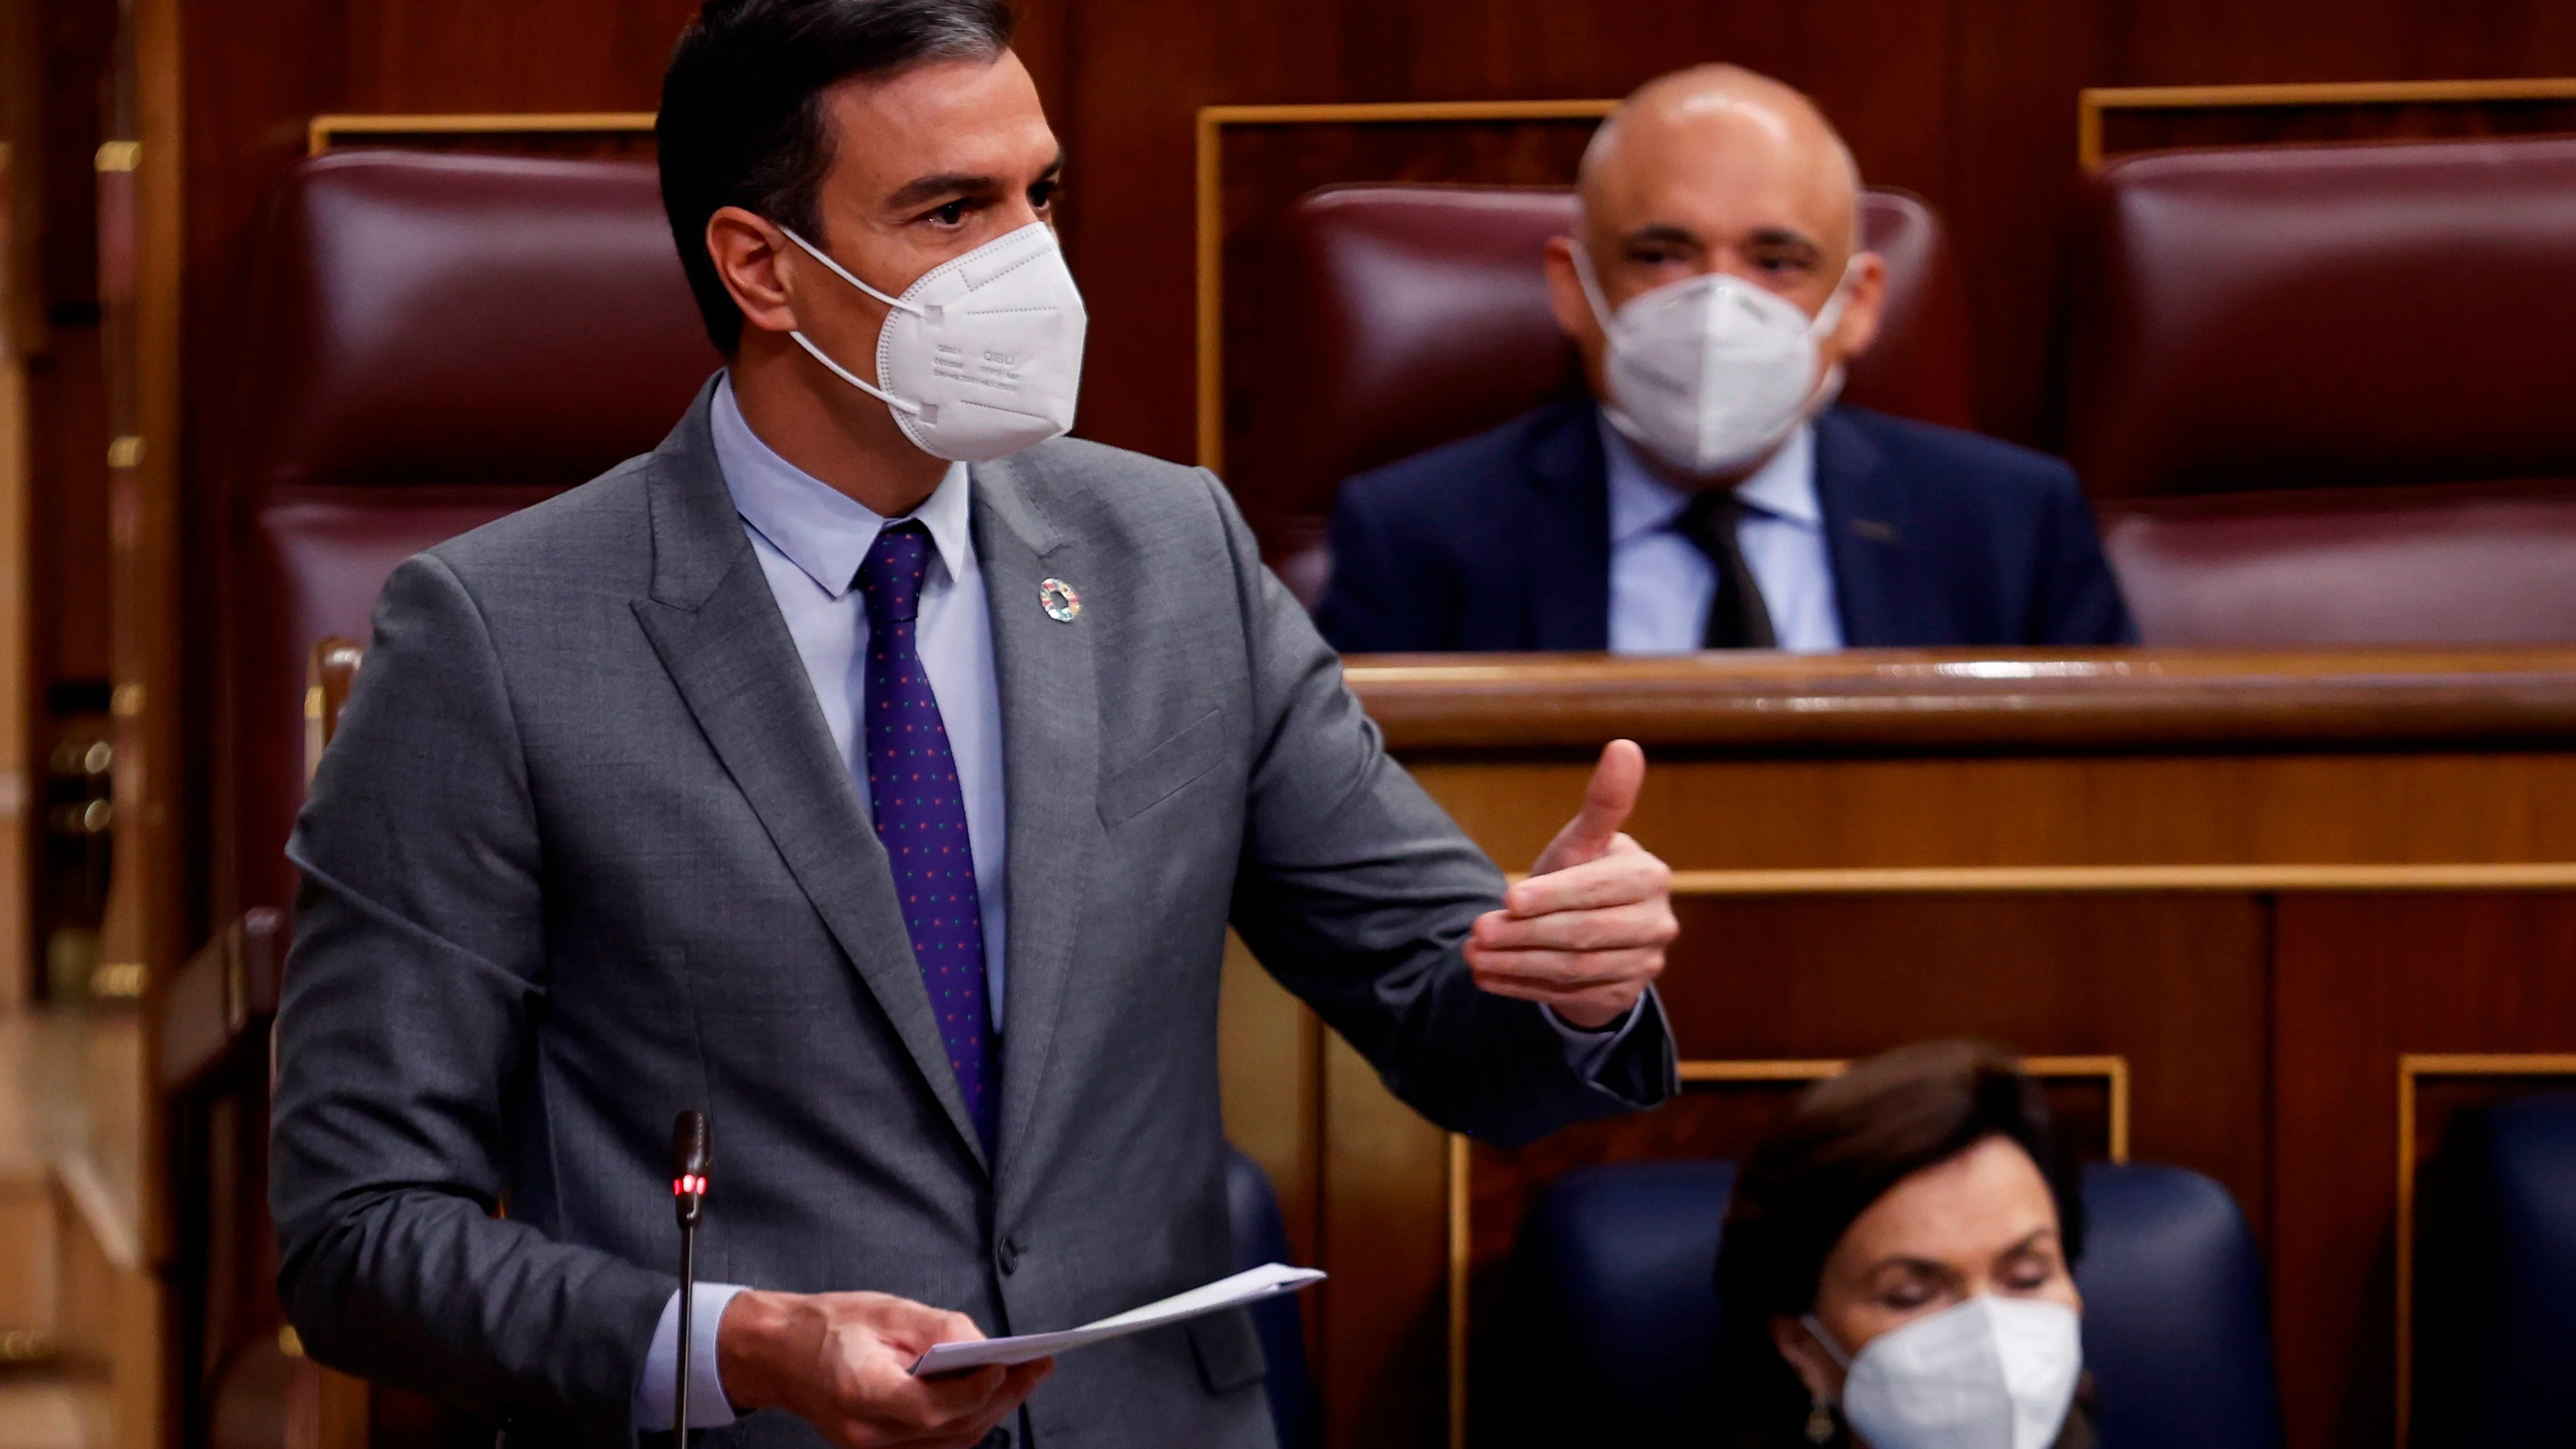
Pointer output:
x,y
692,1157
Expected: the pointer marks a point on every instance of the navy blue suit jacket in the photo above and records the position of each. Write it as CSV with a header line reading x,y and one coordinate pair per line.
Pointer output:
x,y
1502,542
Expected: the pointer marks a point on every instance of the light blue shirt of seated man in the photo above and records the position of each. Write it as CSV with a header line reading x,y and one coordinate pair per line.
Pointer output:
x,y
810,539
1661,583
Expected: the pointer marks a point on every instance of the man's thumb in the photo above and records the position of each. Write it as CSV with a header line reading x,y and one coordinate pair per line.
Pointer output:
x,y
1606,803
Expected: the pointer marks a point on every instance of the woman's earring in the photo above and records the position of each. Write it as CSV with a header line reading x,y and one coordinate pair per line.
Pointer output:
x,y
1820,1422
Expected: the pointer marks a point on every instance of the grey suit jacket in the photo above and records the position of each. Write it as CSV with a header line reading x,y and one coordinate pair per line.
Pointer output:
x,y
583,855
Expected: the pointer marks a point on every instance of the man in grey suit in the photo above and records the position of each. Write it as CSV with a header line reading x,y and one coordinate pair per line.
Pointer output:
x,y
879,773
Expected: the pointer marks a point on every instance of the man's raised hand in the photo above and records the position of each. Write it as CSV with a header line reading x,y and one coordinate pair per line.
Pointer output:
x,y
1585,933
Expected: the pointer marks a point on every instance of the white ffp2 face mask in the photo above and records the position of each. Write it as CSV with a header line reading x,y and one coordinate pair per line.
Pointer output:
x,y
1990,1373
982,355
1712,373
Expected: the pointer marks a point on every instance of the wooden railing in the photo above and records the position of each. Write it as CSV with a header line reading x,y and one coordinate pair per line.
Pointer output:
x,y
2262,882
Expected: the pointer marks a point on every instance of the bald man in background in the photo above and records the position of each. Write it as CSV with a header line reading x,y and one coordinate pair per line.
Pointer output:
x,y
1711,493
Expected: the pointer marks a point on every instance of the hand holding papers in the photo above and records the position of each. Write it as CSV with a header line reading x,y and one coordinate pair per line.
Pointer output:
x,y
1249,1286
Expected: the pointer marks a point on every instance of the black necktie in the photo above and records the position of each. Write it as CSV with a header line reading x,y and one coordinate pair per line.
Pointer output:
x,y
1736,617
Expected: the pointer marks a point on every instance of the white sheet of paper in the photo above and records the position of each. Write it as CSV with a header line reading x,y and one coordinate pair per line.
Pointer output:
x,y
1249,1286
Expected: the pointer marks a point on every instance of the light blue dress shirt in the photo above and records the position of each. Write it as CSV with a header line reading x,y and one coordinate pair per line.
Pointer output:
x,y
810,538
1661,584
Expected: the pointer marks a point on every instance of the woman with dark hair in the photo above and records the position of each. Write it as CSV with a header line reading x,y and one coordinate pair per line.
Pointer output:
x,y
1896,1266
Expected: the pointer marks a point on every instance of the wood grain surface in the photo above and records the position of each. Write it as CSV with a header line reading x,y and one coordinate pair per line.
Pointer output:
x,y
2167,699
2262,1014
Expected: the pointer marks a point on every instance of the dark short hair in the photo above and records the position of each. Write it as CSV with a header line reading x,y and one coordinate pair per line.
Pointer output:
x,y
743,120
1836,1149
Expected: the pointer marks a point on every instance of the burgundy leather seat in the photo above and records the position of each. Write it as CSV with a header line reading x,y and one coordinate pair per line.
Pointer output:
x,y
2327,394
1397,317
437,340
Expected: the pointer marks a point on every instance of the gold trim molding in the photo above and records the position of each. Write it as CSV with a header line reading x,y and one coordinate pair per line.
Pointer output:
x,y
2129,879
2412,1069
2090,104
2111,1069
1461,1223
1212,121
325,131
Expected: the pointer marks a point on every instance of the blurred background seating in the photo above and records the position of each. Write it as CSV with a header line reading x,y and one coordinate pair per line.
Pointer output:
x,y
436,341
2327,395
2496,1261
1260,1236
1614,1318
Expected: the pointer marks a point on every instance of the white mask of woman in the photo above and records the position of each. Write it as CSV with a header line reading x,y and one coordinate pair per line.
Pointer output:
x,y
982,355
1712,373
1990,1373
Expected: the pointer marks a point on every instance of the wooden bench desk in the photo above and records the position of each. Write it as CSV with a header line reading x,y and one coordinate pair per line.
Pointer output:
x,y
2271,916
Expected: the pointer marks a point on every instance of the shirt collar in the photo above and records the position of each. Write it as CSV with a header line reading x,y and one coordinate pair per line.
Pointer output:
x,y
1643,501
821,529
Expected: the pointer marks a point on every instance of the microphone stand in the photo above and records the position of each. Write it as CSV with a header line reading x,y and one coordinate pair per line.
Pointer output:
x,y
692,1156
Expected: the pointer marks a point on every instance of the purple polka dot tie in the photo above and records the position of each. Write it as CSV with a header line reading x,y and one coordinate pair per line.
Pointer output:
x,y
921,816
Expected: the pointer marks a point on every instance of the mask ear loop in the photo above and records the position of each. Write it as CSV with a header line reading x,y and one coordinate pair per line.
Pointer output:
x,y
1830,316
1592,297
843,373
1826,1340
1600,306
818,254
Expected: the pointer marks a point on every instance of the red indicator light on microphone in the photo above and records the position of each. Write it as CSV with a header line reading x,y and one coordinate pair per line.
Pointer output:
x,y
688,1186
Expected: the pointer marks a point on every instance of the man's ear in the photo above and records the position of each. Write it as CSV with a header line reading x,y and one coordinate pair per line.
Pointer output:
x,y
1815,1367
1863,305
1574,310
1565,295
747,251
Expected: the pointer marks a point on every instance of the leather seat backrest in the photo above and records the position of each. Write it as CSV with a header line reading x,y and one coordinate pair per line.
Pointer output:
x,y
2494,1275
2327,394
1397,317
435,341
2176,1331
1610,1286
1260,1238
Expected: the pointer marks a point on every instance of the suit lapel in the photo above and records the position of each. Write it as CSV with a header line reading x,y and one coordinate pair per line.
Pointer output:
x,y
716,626
1868,528
1565,554
1051,763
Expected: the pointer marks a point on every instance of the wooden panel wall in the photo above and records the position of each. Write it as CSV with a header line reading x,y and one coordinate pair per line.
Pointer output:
x,y
69,389
1969,102
2361,981
55,93
2262,1032
2148,128
1264,168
